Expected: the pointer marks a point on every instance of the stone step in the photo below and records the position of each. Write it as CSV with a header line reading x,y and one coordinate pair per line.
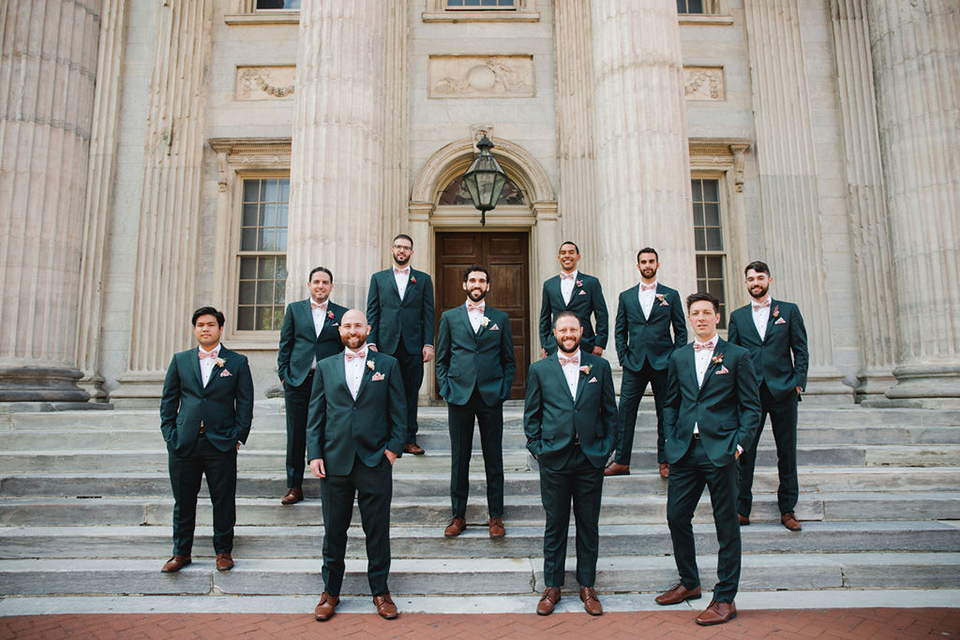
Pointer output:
x,y
479,576
438,460
643,509
409,481
522,541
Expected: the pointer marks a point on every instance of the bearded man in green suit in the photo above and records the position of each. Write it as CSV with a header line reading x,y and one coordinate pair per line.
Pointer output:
x,y
475,367
205,415
711,413
310,333
355,431
570,420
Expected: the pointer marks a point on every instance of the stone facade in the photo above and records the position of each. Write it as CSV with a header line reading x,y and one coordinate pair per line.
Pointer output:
x,y
830,129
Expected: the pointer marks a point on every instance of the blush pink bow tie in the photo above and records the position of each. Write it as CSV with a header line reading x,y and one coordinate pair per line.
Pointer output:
x,y
567,276
765,303
207,354
700,347
314,305
353,356
647,287
575,360
475,307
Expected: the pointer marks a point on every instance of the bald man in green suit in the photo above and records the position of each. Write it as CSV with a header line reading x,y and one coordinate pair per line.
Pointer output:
x,y
355,431
570,420
711,413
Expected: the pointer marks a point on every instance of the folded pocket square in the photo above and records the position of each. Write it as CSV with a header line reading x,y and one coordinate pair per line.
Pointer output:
x,y
722,369
377,376
592,380
226,374
780,321
494,328
582,293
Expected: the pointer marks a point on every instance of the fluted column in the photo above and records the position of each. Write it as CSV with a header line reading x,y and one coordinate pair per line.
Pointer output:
x,y
168,243
576,195
336,167
642,158
396,194
916,66
100,175
789,190
869,231
48,69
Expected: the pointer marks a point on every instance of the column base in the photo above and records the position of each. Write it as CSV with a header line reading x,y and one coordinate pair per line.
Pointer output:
x,y
41,384
827,388
872,387
138,390
928,386
93,385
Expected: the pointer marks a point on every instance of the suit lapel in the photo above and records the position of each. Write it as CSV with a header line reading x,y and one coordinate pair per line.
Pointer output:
x,y
582,382
634,301
196,367
771,321
712,367
558,374
365,376
393,282
462,310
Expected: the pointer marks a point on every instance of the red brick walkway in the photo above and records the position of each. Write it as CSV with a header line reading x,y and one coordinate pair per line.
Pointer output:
x,y
808,623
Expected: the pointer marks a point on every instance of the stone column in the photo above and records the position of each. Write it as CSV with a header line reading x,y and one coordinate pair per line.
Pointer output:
x,y
576,196
336,167
869,231
168,242
100,175
396,116
642,157
916,57
48,69
789,191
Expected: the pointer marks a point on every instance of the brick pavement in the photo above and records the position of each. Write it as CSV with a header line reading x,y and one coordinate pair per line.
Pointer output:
x,y
806,623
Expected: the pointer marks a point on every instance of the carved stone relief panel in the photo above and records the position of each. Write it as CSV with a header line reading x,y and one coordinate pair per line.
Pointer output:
x,y
703,83
265,83
508,76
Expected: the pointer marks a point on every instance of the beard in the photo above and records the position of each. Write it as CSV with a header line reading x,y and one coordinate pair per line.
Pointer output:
x,y
572,349
476,294
402,262
354,341
759,295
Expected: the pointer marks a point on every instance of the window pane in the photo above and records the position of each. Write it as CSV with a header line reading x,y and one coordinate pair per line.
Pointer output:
x,y
265,272
283,211
264,292
715,267
248,268
249,215
282,268
697,214
711,190
245,319
697,190
270,191
251,190
248,240
714,240
281,240
248,290
711,215
700,240
262,282
279,286
268,215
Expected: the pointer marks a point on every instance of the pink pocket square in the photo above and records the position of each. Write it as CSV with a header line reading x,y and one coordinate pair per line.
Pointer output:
x,y
780,321
494,328
582,293
592,380
722,369
226,374
377,376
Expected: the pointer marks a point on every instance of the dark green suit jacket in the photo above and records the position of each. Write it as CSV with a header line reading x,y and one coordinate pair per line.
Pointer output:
x,y
225,405
394,321
726,408
551,416
300,344
641,340
466,359
340,429
587,298
786,336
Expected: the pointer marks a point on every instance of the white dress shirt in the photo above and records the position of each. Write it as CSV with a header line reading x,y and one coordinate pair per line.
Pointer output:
x,y
207,364
566,285
571,371
476,317
402,278
701,358
319,317
353,368
761,315
647,294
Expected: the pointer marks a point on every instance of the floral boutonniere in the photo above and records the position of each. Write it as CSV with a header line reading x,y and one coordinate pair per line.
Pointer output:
x,y
484,321
330,315
663,300
585,370
371,365
717,359
220,362
579,283
776,311
413,280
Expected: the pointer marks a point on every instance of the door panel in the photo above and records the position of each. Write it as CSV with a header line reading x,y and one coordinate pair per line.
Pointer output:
x,y
506,257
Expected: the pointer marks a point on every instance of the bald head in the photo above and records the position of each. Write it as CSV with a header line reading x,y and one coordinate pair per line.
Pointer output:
x,y
352,316
354,329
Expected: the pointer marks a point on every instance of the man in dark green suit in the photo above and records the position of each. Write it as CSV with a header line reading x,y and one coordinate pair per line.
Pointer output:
x,y
578,292
310,333
711,412
645,315
475,367
401,315
355,431
205,415
774,334
570,419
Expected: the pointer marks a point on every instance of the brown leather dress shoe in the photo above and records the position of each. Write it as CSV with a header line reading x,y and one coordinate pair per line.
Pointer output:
x,y
677,594
326,606
496,528
549,599
176,563
224,562
455,527
790,521
743,520
717,613
293,496
414,448
664,470
617,469
591,603
385,607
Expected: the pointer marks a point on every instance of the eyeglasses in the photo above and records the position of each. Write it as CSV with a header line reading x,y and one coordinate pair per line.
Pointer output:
x,y
404,247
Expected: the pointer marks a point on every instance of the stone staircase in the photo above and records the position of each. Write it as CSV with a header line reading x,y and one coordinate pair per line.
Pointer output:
x,y
85,509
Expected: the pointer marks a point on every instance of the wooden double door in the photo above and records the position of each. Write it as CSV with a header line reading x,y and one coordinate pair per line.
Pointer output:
x,y
506,257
